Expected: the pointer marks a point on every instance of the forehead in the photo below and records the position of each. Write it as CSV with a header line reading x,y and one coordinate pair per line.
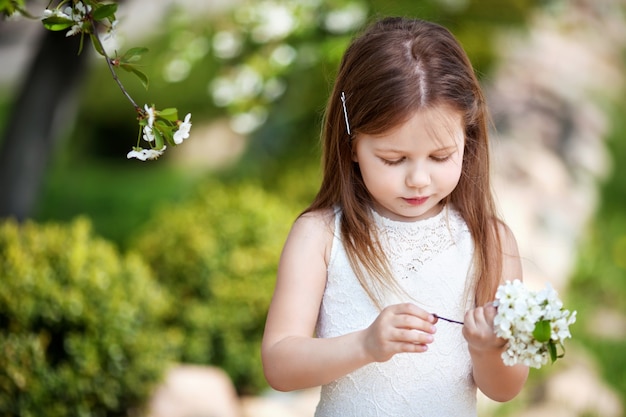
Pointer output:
x,y
441,125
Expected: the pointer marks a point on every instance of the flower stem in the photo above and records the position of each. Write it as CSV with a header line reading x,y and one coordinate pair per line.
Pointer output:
x,y
113,73
449,320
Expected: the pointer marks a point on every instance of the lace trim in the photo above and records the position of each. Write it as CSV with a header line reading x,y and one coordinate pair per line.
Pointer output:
x,y
411,245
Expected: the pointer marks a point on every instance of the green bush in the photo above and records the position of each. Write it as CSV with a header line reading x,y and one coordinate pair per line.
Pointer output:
x,y
79,329
217,255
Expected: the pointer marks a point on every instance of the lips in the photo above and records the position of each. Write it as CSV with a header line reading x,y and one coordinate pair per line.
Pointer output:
x,y
416,201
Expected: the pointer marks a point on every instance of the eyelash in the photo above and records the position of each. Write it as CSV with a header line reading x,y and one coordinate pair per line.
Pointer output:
x,y
398,161
440,158
395,162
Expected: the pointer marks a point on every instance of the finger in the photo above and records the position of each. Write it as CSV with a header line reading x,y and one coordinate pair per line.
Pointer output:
x,y
413,348
412,309
411,322
482,316
412,336
490,312
469,319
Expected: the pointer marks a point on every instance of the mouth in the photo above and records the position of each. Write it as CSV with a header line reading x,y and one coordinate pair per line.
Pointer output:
x,y
416,201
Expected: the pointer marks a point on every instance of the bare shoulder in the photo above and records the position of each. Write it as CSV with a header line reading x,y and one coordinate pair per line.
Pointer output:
x,y
507,239
511,265
319,219
315,229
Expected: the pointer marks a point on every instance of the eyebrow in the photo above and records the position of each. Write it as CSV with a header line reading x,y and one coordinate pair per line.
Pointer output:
x,y
449,148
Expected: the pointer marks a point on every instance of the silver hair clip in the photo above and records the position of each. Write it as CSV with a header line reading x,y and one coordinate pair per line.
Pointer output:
x,y
345,112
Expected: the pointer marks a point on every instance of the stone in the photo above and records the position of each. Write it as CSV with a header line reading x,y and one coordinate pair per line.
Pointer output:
x,y
195,391
272,403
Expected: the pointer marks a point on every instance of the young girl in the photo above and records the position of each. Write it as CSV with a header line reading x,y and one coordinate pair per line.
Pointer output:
x,y
402,233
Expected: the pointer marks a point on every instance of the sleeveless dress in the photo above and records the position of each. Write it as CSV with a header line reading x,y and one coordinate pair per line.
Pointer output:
x,y
431,260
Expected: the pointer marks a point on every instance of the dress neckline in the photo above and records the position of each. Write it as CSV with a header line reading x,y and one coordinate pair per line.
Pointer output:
x,y
420,223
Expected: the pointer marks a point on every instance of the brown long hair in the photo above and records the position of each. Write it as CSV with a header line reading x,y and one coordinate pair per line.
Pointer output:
x,y
394,68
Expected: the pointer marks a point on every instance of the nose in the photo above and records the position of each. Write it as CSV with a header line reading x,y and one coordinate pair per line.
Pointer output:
x,y
417,175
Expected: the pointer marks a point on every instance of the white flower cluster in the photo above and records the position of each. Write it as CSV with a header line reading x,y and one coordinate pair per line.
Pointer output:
x,y
78,13
84,17
178,136
534,323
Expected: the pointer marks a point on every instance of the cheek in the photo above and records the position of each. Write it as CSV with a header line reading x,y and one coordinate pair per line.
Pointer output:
x,y
455,171
368,172
375,177
448,175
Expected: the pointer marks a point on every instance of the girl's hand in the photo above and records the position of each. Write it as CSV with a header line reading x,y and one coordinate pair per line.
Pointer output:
x,y
399,328
478,329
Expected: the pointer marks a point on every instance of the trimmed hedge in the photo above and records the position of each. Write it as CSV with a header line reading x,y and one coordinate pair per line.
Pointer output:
x,y
217,256
80,330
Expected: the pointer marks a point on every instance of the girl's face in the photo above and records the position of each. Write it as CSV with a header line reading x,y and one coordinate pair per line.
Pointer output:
x,y
411,168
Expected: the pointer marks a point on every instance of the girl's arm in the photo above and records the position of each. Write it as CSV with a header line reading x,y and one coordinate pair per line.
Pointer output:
x,y
292,357
496,380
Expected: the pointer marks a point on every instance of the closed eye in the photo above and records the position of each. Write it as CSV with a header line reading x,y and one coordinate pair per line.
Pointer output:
x,y
392,161
440,158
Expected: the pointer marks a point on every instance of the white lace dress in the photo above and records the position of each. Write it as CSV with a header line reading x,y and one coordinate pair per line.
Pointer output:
x,y
431,259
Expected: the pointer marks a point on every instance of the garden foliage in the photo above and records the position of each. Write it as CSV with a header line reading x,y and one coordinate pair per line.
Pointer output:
x,y
80,324
217,256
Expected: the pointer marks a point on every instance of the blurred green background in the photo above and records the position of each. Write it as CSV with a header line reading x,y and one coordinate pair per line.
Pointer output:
x,y
208,219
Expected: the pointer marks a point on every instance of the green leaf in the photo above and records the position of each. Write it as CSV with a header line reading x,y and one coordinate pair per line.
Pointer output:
x,y
542,331
133,55
105,11
170,114
169,136
8,7
56,23
166,130
82,43
97,45
162,125
563,349
158,138
142,77
552,349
